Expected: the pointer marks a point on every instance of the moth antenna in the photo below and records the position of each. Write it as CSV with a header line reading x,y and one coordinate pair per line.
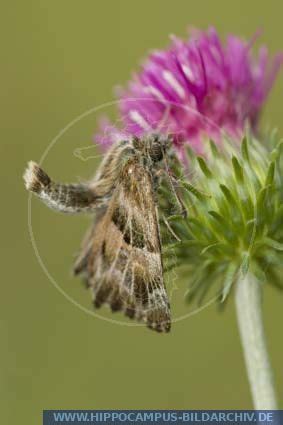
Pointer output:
x,y
163,119
175,189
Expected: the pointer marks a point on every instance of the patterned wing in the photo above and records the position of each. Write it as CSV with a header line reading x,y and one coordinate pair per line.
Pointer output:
x,y
123,264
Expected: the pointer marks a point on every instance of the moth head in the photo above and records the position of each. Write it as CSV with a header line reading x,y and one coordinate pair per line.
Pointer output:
x,y
153,147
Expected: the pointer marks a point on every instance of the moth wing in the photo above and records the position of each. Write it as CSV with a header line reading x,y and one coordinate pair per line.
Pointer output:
x,y
124,264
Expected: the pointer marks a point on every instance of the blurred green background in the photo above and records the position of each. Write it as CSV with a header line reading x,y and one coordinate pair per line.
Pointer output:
x,y
60,59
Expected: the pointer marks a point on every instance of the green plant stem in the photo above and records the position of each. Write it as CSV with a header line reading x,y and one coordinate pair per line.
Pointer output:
x,y
250,322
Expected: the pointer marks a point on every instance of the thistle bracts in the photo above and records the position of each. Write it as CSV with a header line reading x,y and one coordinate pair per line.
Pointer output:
x,y
235,218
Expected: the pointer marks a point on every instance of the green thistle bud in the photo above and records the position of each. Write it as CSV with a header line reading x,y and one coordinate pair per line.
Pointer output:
x,y
235,218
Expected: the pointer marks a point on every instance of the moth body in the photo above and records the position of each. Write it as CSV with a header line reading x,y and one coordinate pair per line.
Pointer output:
x,y
121,255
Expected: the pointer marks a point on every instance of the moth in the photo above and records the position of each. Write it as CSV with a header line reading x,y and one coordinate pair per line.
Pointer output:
x,y
121,255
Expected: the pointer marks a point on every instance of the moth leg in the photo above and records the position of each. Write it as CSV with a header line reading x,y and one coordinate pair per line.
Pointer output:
x,y
172,179
67,198
178,194
170,229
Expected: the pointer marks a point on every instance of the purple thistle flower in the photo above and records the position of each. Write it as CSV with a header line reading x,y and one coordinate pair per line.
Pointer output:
x,y
196,88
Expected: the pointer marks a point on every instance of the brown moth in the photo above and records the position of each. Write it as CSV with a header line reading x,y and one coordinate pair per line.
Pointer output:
x,y
121,257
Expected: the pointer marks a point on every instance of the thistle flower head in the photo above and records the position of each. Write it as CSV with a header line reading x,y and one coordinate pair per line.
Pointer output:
x,y
235,214
196,88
